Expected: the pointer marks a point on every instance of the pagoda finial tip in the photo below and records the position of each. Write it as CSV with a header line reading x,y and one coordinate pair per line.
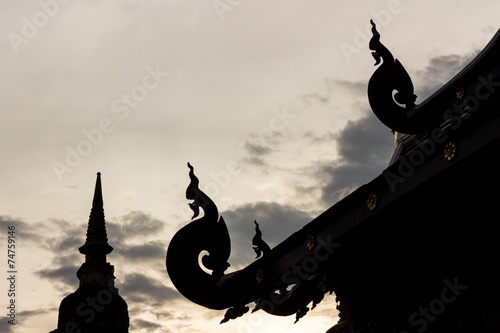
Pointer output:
x,y
97,192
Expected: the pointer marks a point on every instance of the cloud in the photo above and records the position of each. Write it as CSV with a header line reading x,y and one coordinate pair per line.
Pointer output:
x,y
135,224
364,147
316,97
22,228
131,237
65,275
26,314
68,243
138,222
322,96
6,327
154,250
257,151
172,318
364,142
258,148
332,91
438,71
139,288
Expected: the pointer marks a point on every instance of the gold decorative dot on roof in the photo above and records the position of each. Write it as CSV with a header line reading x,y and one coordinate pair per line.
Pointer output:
x,y
450,151
310,242
259,275
371,201
460,93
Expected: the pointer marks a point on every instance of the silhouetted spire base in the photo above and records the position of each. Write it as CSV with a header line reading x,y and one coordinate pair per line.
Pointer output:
x,y
93,309
96,274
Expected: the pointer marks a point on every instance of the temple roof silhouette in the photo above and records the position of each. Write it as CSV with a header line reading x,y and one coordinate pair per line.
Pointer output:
x,y
415,249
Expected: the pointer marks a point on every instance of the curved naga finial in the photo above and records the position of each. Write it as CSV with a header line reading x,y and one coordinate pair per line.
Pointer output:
x,y
394,110
259,246
208,233
207,284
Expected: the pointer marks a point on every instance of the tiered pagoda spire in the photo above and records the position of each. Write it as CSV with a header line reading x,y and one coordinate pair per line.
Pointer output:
x,y
96,246
95,307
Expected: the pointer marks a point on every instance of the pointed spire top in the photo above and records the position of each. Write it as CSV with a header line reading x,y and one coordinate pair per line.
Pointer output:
x,y
96,245
97,202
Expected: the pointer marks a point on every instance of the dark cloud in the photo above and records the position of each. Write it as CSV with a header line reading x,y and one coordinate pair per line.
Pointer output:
x,y
74,235
68,243
332,90
277,222
356,87
5,327
154,250
439,70
316,98
256,151
137,222
258,148
71,258
65,275
365,141
66,259
22,229
323,96
138,287
133,225
364,147
126,231
26,314
165,315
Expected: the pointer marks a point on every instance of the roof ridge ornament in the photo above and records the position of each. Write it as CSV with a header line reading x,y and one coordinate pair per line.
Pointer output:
x,y
259,245
201,277
392,109
206,234
399,112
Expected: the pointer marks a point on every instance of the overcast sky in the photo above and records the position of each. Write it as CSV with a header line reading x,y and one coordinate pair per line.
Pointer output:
x,y
266,99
